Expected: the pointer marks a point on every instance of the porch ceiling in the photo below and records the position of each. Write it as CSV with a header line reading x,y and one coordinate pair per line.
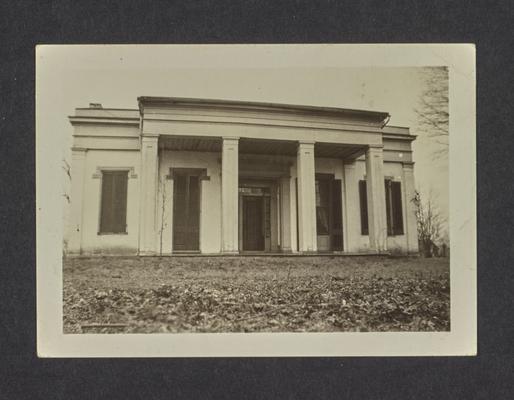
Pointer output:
x,y
259,146
190,143
335,150
269,147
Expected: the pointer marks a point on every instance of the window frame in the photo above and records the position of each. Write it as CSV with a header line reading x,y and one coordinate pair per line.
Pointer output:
x,y
100,174
391,211
201,175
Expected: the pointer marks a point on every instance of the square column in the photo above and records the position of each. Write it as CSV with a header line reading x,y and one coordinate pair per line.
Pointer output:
x,y
230,196
285,214
78,161
306,197
410,209
148,204
351,210
376,199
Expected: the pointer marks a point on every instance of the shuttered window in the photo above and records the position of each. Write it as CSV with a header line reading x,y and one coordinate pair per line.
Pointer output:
x,y
186,209
393,200
323,206
393,191
113,214
363,198
337,216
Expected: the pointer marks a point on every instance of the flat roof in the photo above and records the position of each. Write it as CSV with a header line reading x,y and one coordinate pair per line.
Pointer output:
x,y
374,116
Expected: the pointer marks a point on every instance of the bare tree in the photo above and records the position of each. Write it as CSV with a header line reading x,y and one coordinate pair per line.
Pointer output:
x,y
164,220
67,170
66,167
432,110
429,223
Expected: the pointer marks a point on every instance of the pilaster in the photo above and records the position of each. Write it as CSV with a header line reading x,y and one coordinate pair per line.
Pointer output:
x,y
411,231
148,204
285,214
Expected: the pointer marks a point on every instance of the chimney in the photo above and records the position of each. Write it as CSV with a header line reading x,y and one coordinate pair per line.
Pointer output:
x,y
95,105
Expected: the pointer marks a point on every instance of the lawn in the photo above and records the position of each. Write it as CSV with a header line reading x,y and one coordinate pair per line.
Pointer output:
x,y
255,294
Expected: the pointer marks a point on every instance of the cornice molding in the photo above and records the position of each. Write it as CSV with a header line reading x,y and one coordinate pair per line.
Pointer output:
x,y
149,102
130,170
103,121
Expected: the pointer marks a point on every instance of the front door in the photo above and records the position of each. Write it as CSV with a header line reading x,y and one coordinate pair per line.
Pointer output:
x,y
186,211
253,223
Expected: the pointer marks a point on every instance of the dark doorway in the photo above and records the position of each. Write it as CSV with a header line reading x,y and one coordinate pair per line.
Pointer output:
x,y
186,210
253,223
329,225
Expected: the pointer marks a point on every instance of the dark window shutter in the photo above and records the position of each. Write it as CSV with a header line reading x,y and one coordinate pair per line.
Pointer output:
x,y
387,184
364,207
186,209
120,202
323,206
180,212
106,203
337,216
396,199
194,212
113,214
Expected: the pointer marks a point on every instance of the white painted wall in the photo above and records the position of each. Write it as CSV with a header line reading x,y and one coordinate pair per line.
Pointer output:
x,y
92,242
210,214
358,242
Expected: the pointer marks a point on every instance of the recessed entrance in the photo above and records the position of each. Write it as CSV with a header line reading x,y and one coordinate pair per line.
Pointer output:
x,y
186,209
328,213
253,223
255,212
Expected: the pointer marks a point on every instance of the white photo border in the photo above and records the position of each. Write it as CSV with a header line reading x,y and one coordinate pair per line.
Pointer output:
x,y
460,340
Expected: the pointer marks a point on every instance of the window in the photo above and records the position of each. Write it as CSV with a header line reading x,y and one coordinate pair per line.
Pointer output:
x,y
322,206
329,215
394,214
363,197
113,214
186,208
393,193
337,216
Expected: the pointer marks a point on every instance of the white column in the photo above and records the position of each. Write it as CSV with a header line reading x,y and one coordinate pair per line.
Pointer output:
x,y
285,214
376,199
293,208
411,227
351,208
306,197
229,195
78,161
148,209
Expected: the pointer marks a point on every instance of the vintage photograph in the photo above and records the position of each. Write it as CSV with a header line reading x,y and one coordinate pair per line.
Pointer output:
x,y
211,198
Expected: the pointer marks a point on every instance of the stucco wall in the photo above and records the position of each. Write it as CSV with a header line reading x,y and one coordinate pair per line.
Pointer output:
x,y
92,241
359,242
210,214
111,138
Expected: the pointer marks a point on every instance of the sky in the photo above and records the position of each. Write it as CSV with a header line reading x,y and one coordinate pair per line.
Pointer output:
x,y
68,77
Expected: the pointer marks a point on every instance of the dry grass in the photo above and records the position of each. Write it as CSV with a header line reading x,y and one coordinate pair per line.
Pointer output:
x,y
255,294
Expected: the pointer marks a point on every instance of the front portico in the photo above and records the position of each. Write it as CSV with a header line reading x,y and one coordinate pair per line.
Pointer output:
x,y
286,139
238,177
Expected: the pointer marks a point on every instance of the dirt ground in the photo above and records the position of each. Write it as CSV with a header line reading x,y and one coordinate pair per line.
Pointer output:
x,y
255,294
